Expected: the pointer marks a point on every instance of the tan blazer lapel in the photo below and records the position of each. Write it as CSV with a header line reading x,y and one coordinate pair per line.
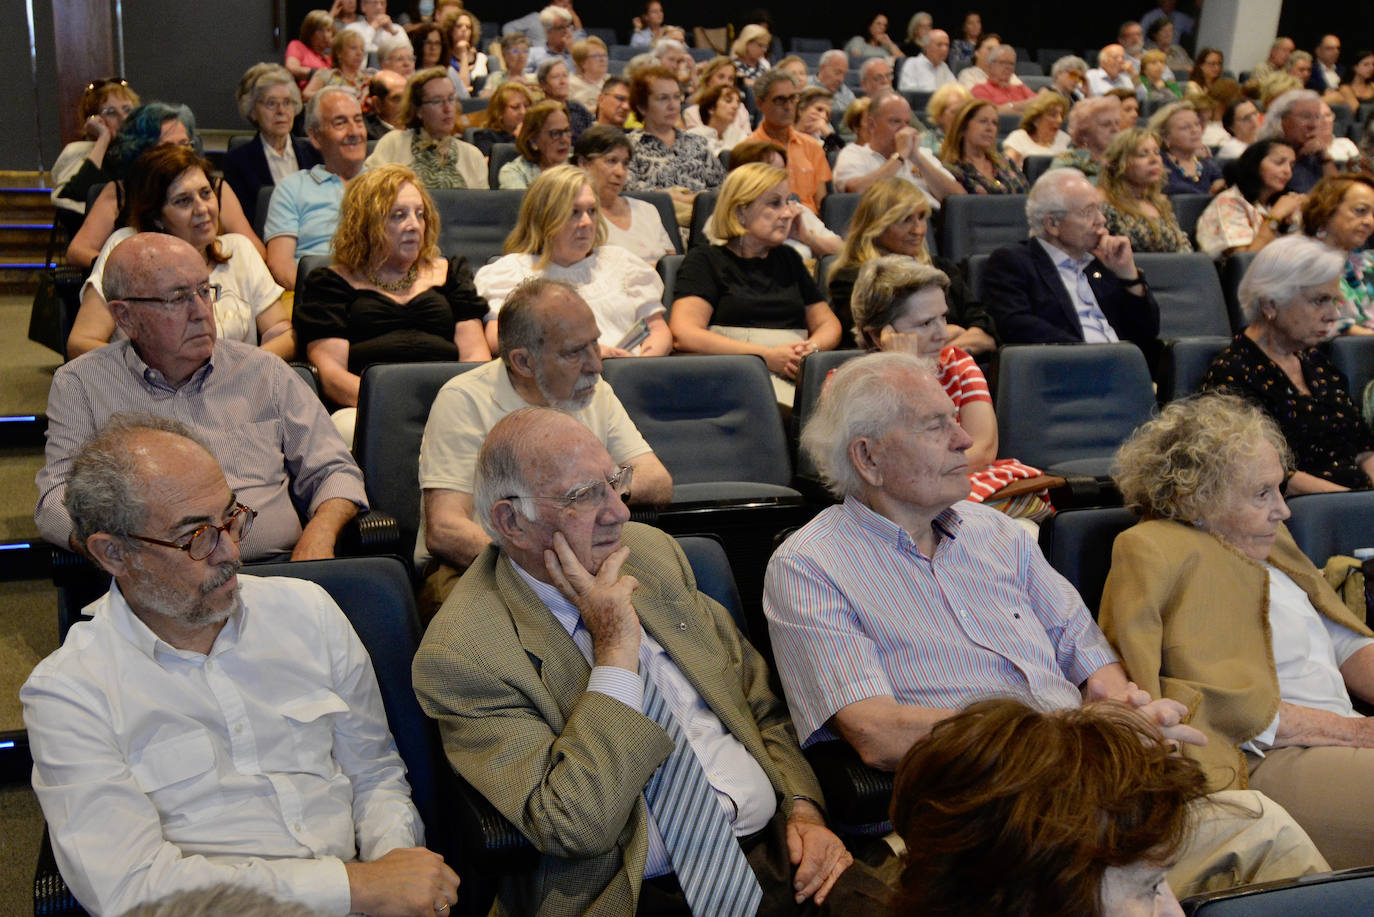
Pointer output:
x,y
562,667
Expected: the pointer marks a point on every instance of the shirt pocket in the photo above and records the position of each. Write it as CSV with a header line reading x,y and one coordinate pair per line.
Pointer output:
x,y
178,774
310,723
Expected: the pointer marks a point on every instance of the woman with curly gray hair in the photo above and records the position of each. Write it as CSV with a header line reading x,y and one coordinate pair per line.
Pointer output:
x,y
1211,603
268,99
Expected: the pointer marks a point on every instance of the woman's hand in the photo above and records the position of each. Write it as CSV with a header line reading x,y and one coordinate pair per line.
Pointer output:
x,y
1286,206
96,128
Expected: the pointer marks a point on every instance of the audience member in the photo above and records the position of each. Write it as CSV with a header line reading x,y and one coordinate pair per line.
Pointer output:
x,y
1039,133
962,48
544,141
1339,211
1290,299
944,104
749,53
374,24
1296,117
515,52
1300,68
345,13
970,152
1071,281
592,63
673,55
395,53
311,51
830,75
1341,150
385,101
814,113
545,324
875,76
1113,71
807,169
279,448
170,191
1132,185
1188,164
1326,76
427,145
1206,71
1358,88
811,238
1257,207
1130,107
558,38
717,72
748,292
1156,79
1277,60
1162,37
429,42
466,63
1241,120
305,205
613,105
718,110
927,71
667,158
553,80
1131,36
349,71
648,26
1068,73
1270,663
222,899
630,223
874,41
998,88
102,110
795,67
1168,9
504,117
918,29
531,25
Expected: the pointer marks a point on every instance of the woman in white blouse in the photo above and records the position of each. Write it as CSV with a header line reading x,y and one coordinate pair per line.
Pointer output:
x,y
634,225
1039,133
718,110
560,236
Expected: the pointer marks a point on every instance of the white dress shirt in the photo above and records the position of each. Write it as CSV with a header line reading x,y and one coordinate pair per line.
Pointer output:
x,y
266,763
859,159
919,74
280,164
1099,84
742,788
1096,328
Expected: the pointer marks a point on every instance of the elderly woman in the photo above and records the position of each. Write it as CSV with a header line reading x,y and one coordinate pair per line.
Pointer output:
x,y
718,110
311,51
269,100
970,153
994,826
1339,210
1189,166
467,65
592,62
553,78
749,53
751,293
1241,120
1156,80
395,53
81,164
559,236
504,117
604,152
544,141
1257,207
1132,180
1290,299
917,32
810,236
1039,133
1092,125
389,296
873,41
1299,66
944,104
350,71
515,55
1209,602
1070,77
666,157
892,218
1160,36
900,304
170,189
427,145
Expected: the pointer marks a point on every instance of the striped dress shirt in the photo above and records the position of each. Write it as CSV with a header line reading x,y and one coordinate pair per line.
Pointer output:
x,y
855,610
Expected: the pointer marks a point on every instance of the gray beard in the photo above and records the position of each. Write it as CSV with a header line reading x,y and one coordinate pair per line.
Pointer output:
x,y
165,602
569,405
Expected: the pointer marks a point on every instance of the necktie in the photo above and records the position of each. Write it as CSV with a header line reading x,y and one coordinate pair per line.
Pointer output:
x,y
1089,314
710,866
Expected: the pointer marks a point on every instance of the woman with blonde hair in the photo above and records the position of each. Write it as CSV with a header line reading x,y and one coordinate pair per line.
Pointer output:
x,y
544,141
970,153
427,144
504,115
559,236
751,293
389,296
81,164
1155,78
892,218
749,53
1189,166
1039,133
592,63
1132,183
943,105
715,73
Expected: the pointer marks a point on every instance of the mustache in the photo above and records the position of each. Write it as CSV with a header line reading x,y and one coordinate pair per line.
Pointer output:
x,y
226,572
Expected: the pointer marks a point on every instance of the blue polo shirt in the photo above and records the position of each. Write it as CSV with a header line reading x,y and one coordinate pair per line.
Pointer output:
x,y
306,205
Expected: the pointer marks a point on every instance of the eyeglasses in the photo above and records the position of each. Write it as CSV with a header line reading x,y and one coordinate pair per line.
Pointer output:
x,y
205,539
442,100
277,104
110,111
559,133
783,100
1090,212
182,299
592,494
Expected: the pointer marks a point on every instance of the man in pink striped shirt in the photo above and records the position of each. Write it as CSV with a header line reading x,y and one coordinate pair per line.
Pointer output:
x,y
905,603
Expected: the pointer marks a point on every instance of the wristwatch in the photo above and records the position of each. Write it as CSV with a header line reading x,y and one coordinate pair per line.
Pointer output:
x,y
1138,281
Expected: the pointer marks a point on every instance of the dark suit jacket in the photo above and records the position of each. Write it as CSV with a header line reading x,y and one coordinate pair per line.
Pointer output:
x,y
568,767
1022,290
245,168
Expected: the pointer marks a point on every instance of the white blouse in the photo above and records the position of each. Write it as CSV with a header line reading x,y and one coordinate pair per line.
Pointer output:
x,y
647,237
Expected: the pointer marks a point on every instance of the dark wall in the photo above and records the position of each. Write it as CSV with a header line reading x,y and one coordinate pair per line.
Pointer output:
x,y
28,126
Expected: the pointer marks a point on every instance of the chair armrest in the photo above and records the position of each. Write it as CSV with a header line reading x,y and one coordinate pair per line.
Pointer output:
x,y
487,834
51,897
857,796
372,532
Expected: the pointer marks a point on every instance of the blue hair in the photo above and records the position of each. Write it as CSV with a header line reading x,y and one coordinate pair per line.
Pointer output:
x,y
143,129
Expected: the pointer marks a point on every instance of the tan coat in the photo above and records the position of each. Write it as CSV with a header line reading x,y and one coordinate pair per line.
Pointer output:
x,y
1189,616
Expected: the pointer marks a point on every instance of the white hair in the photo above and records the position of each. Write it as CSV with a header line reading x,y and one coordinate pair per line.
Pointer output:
x,y
388,44
1048,196
1069,62
1283,269
1279,108
834,54
663,45
551,16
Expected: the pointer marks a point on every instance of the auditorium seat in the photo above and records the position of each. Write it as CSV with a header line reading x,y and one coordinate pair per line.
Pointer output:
x,y
1344,893
981,223
702,205
837,210
1078,544
1324,525
667,268
1187,209
1191,301
474,223
1183,365
1232,272
501,153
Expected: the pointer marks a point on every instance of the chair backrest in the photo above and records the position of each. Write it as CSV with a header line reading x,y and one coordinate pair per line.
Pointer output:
x,y
1345,893
1187,209
1009,121
815,369
304,266
473,104
474,223
501,153
815,45
1078,543
702,206
708,418
1353,355
974,272
1327,524
260,208
1061,403
666,213
1036,166
1036,81
1232,272
667,268
309,375
393,406
837,210
1046,57
1183,364
1191,302
918,99
711,567
981,223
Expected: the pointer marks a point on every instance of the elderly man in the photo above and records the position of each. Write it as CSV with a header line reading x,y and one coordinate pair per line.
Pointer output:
x,y
1326,76
547,341
613,104
382,107
279,448
305,205
874,76
207,727
830,75
807,168
640,747
1069,282
1296,117
1113,71
1000,88
893,150
902,605
531,25
557,23
1131,37
674,56
1277,61
927,71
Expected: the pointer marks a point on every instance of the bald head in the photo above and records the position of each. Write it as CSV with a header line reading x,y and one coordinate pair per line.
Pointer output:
x,y
1111,59
134,262
937,46
386,95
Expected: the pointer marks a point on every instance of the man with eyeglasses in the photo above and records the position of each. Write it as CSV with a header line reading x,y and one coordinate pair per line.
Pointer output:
x,y
807,168
208,727
640,747
613,104
558,39
279,448
1071,281
547,342
1295,116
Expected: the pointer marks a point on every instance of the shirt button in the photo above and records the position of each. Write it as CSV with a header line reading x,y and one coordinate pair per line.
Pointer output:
x,y
963,613
238,729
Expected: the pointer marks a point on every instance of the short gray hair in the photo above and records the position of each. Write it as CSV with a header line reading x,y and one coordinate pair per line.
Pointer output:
x,y
541,72
883,285
259,78
1283,269
105,491
312,108
832,55
551,16
871,63
770,78
388,44
662,46
1279,108
520,327
868,396
500,468
1160,119
221,899
998,52
1047,196
1069,62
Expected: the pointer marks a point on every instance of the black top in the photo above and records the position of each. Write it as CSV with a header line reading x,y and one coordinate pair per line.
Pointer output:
x,y
485,138
768,292
964,309
1323,429
381,330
